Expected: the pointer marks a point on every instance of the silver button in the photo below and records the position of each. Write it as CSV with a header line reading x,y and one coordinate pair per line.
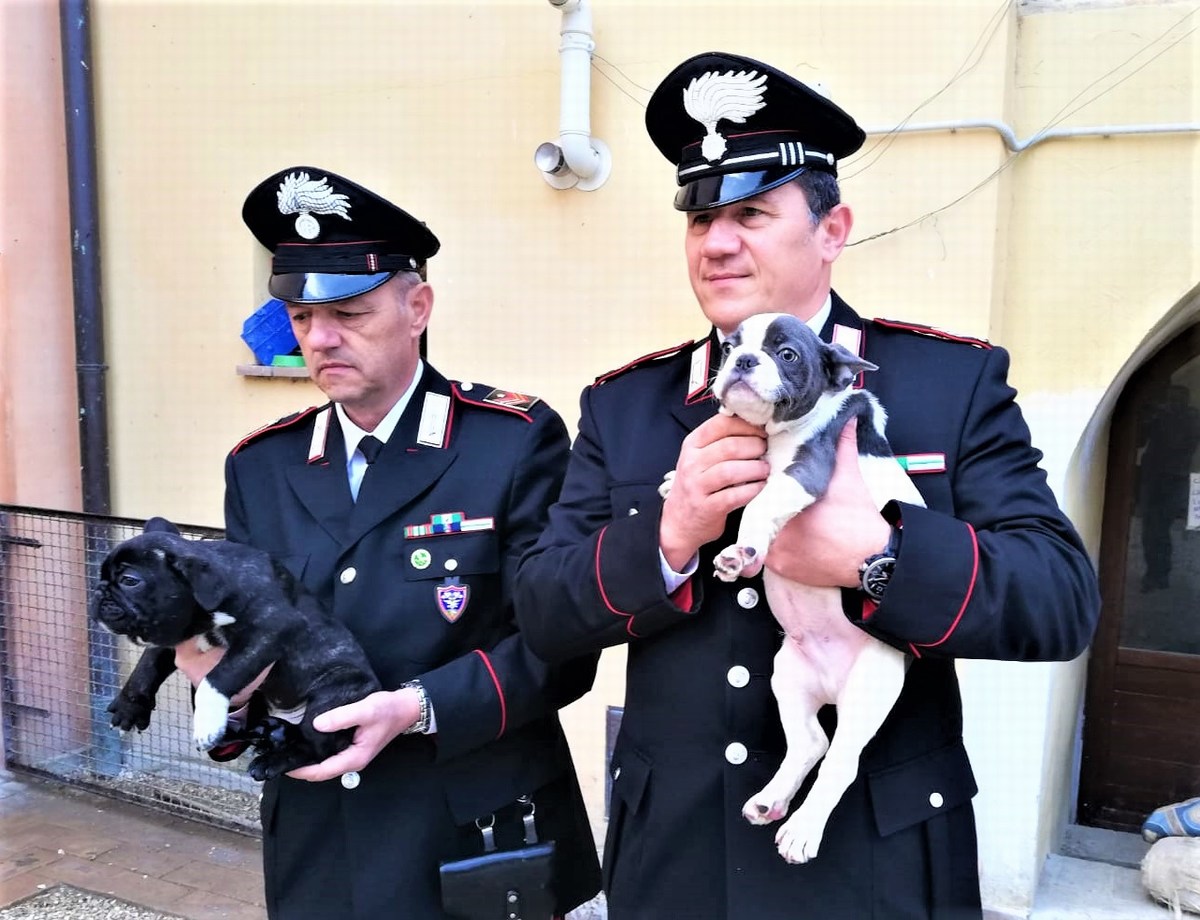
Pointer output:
x,y
747,598
736,753
936,800
451,565
616,774
632,511
738,676
348,574
350,780
467,386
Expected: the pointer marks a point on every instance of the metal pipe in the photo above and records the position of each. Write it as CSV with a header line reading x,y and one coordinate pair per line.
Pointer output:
x,y
90,367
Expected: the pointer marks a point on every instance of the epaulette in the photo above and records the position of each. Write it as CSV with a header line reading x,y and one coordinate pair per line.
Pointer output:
x,y
933,332
644,359
475,394
279,425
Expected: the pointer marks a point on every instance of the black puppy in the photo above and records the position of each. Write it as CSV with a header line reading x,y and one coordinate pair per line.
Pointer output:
x,y
161,589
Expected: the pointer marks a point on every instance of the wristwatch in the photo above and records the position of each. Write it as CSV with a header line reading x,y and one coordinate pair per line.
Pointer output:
x,y
421,726
875,573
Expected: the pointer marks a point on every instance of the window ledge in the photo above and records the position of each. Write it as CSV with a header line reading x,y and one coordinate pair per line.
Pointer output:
x,y
268,370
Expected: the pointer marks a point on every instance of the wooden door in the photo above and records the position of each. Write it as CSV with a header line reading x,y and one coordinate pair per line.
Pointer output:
x,y
1141,733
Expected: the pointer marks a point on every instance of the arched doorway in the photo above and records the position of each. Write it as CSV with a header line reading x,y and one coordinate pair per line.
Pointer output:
x,y
1141,734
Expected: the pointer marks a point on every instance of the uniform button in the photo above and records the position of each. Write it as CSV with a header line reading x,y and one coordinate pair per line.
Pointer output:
x,y
632,511
616,774
451,565
936,800
350,780
466,387
738,676
736,753
348,574
747,598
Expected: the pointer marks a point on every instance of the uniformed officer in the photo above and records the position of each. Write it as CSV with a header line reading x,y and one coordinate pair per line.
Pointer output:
x,y
403,504
990,569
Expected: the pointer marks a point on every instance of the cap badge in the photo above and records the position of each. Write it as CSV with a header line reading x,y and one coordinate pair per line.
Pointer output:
x,y
713,96
305,196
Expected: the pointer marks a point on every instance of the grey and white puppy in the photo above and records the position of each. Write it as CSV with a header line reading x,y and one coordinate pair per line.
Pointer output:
x,y
777,373
161,589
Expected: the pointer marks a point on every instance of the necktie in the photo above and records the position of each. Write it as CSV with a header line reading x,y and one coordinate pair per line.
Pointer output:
x,y
370,446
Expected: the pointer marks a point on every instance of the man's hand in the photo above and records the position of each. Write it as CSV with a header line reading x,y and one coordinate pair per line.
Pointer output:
x,y
380,717
826,543
196,664
720,468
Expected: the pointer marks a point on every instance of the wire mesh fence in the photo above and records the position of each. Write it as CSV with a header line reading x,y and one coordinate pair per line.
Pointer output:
x,y
59,671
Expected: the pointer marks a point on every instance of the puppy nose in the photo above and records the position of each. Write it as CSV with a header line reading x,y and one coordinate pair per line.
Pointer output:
x,y
746,362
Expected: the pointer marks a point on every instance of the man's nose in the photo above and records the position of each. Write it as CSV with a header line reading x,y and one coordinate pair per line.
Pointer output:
x,y
323,331
721,238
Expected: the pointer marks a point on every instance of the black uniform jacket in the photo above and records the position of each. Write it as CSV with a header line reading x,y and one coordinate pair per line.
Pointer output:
x,y
990,569
373,852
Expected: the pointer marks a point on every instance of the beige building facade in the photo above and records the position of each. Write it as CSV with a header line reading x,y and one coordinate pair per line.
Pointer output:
x,y
1032,176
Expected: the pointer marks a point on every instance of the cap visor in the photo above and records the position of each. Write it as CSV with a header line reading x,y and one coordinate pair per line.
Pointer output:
x,y
317,287
715,191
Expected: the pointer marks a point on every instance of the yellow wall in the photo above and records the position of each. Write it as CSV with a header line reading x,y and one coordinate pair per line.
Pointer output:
x,y
1068,256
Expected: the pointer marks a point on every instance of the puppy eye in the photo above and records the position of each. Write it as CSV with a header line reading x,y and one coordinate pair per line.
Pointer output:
x,y
129,581
788,355
726,349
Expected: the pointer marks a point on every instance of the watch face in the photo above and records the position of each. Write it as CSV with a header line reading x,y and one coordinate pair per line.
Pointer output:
x,y
876,575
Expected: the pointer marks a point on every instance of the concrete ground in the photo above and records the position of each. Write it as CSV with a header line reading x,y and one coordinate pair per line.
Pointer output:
x,y
52,834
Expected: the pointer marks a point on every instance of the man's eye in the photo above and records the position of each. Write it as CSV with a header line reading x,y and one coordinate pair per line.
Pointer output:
x,y
788,355
129,581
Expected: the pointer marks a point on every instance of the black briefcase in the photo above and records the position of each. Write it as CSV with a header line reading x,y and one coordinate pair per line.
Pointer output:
x,y
513,884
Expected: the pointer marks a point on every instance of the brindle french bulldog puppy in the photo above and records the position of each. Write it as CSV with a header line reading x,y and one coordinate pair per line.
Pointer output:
x,y
161,589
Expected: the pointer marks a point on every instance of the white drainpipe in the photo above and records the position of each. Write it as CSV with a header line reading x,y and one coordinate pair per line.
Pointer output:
x,y
576,160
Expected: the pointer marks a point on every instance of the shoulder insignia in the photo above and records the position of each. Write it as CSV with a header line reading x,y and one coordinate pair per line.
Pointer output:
x,y
644,359
933,332
287,421
475,394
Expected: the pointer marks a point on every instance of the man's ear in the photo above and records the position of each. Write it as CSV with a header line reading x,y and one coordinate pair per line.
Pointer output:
x,y
836,227
842,365
160,525
208,587
420,301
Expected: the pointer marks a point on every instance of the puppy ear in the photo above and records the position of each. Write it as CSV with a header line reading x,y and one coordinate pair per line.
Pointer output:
x,y
842,365
208,587
159,525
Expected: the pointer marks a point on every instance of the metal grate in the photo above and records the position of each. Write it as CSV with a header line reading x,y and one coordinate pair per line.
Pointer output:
x,y
59,671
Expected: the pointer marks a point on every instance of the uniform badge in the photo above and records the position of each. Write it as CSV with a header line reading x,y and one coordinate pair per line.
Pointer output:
x,y
452,599
431,430
731,96
922,463
448,522
510,400
420,559
316,446
300,194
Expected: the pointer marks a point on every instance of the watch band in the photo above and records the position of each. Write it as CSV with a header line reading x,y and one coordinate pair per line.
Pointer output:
x,y
421,726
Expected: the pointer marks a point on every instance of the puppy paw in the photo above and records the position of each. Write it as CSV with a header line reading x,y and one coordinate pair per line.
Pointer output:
x,y
210,717
733,561
766,807
130,711
668,481
799,839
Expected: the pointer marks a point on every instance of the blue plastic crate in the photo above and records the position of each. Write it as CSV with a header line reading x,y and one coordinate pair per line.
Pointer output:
x,y
268,332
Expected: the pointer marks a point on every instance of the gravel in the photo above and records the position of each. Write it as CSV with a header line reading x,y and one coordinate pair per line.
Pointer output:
x,y
65,903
